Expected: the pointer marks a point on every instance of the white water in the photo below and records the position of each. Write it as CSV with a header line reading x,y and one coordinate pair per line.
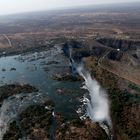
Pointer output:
x,y
98,104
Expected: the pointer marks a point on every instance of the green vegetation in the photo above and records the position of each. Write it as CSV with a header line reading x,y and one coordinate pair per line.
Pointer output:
x,y
34,119
124,105
134,87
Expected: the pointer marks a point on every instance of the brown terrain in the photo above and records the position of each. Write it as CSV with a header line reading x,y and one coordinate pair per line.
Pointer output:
x,y
120,28
109,40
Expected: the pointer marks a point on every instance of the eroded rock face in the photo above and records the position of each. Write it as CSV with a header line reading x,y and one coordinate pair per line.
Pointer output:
x,y
123,45
73,44
120,49
81,49
76,49
115,55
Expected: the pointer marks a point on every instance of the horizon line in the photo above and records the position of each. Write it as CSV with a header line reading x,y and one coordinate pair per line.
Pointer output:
x,y
67,8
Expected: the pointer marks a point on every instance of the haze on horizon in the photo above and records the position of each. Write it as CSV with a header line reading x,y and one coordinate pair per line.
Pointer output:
x,y
19,6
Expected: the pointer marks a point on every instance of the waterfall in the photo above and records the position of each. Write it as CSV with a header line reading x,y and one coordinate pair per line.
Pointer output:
x,y
98,104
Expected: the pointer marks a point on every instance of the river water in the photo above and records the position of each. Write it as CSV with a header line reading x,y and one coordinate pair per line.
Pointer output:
x,y
37,70
34,69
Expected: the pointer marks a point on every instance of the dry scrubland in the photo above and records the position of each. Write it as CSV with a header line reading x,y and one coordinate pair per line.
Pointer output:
x,y
110,40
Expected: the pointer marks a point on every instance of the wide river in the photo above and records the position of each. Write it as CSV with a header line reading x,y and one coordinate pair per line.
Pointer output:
x,y
37,70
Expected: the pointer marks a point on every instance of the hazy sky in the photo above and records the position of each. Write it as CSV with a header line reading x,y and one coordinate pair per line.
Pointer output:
x,y
18,6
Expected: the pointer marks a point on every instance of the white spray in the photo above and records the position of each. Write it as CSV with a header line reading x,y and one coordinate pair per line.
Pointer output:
x,y
98,105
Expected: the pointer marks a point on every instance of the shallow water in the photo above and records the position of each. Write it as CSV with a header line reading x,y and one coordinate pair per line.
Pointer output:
x,y
30,69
